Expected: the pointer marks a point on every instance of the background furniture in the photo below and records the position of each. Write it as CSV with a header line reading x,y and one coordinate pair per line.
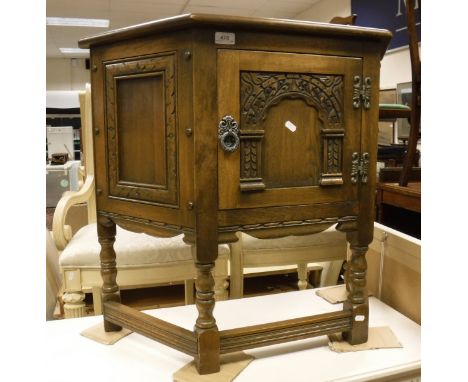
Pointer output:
x,y
406,195
60,117
142,260
136,357
399,207
395,154
326,250
394,263
265,126
413,113
347,20
415,116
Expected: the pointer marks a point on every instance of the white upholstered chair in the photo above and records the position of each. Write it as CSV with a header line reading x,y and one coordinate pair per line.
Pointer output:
x,y
326,250
142,260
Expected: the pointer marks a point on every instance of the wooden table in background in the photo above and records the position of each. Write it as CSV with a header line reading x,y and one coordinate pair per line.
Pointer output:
x,y
391,194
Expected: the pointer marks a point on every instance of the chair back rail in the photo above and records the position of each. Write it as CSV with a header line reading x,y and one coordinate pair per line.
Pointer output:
x,y
415,116
61,232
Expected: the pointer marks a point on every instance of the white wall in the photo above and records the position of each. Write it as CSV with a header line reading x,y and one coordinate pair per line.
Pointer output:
x,y
66,74
325,10
396,67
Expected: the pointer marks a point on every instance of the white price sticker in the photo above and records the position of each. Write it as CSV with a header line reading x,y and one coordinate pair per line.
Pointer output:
x,y
291,126
225,38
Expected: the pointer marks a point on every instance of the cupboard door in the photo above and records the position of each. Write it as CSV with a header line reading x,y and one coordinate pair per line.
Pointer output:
x,y
296,126
141,134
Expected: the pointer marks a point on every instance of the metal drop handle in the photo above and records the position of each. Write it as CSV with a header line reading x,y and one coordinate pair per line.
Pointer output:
x,y
228,134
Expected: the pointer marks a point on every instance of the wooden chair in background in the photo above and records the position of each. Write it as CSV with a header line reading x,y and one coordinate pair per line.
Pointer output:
x,y
324,251
415,115
396,206
347,20
412,112
405,194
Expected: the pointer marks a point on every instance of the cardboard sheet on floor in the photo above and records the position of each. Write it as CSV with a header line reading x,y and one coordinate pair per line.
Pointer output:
x,y
381,337
335,294
97,333
231,366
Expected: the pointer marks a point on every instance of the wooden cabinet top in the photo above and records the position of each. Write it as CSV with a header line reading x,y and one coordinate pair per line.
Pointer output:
x,y
198,20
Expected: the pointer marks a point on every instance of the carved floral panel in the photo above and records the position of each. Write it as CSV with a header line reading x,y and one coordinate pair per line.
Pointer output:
x,y
262,90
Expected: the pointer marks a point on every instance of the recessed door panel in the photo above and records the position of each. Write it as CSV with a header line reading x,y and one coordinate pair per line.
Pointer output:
x,y
290,132
296,124
141,129
141,140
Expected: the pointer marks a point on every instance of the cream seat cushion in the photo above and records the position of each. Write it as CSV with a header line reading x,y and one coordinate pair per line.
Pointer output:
x,y
132,249
327,237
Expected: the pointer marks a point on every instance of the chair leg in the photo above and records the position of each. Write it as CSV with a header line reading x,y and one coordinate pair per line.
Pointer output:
x,y
302,276
221,288
220,274
330,276
110,290
236,289
74,305
189,288
97,300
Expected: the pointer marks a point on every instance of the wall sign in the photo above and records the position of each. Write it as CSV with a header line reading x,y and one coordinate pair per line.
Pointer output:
x,y
387,14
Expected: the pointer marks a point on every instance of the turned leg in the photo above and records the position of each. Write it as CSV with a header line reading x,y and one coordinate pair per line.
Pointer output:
x,y
207,360
357,301
74,305
316,277
302,276
110,289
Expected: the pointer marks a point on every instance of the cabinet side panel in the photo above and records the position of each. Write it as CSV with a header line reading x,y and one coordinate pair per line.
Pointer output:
x,y
144,87
141,120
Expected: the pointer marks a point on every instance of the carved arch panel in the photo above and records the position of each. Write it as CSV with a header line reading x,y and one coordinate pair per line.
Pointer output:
x,y
260,91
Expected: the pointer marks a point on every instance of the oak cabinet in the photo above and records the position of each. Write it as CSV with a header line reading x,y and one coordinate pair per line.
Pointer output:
x,y
209,125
